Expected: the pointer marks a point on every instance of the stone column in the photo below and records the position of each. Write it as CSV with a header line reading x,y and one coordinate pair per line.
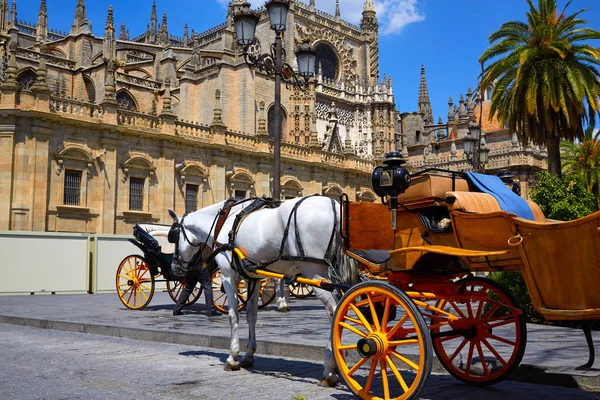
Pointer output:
x,y
38,220
217,174
263,178
109,173
7,132
166,178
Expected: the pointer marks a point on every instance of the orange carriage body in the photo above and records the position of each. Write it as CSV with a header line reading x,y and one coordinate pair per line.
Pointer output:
x,y
560,261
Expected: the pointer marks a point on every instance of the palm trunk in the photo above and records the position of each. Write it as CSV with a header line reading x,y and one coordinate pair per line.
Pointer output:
x,y
553,143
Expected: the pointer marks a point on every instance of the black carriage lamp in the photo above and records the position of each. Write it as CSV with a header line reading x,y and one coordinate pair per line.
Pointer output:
x,y
475,149
273,64
391,180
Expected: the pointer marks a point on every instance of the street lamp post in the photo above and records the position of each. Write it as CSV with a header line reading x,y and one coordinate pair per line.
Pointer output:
x,y
273,64
475,149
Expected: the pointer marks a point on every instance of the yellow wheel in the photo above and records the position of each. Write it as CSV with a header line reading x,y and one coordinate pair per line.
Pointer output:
x,y
381,343
300,290
220,297
175,287
267,292
135,283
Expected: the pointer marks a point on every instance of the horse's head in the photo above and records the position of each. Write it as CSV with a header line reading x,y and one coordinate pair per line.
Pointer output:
x,y
187,245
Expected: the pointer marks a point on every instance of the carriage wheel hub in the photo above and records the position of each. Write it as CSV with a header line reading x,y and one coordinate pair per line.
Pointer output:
x,y
373,345
130,282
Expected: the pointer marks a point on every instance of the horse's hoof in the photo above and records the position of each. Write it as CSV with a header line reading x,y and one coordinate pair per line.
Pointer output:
x,y
247,364
229,367
328,382
284,309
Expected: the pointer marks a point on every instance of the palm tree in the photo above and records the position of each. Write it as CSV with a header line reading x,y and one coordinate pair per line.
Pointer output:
x,y
583,159
546,84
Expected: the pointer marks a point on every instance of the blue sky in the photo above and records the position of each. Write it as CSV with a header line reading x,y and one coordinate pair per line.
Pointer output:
x,y
446,36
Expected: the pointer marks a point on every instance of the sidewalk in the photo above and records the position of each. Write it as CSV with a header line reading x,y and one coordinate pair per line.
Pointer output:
x,y
552,353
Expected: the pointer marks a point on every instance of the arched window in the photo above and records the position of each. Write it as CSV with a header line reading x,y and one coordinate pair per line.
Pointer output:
x,y
90,89
328,61
26,79
125,101
282,118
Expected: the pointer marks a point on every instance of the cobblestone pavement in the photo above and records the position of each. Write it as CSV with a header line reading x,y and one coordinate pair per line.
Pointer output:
x,y
50,364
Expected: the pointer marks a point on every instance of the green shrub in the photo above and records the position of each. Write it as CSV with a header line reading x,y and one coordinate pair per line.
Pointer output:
x,y
563,198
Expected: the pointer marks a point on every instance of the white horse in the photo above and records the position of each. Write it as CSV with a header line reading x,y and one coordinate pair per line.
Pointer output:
x,y
259,237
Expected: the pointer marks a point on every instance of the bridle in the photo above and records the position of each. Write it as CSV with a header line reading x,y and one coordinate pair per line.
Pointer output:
x,y
178,227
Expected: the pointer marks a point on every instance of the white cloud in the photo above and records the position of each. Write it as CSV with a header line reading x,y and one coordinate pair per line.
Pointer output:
x,y
393,15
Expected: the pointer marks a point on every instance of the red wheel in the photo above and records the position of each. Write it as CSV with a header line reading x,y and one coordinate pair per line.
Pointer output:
x,y
490,332
175,287
135,283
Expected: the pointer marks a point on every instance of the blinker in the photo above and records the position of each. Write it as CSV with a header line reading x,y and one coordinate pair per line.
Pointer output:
x,y
173,235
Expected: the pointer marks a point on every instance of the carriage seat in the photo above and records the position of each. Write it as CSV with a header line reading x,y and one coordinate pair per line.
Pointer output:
x,y
159,233
374,260
163,241
481,203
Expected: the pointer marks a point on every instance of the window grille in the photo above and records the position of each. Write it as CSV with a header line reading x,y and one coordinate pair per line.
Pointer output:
x,y
240,194
191,198
136,194
72,193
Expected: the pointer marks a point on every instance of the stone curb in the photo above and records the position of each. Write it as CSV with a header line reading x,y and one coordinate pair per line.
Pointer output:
x,y
524,373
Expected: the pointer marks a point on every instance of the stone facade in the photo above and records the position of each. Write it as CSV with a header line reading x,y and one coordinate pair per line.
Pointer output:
x,y
426,144
99,133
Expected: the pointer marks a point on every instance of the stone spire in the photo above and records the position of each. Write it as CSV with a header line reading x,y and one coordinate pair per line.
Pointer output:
x,y
153,24
424,103
163,35
462,109
470,105
123,32
217,112
186,35
80,22
311,5
13,13
4,11
337,10
42,24
41,85
450,110
109,43
109,84
370,31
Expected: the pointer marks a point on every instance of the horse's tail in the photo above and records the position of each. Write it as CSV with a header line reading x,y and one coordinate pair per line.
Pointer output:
x,y
346,267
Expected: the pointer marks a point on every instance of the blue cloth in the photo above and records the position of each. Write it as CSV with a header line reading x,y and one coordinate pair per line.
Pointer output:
x,y
508,200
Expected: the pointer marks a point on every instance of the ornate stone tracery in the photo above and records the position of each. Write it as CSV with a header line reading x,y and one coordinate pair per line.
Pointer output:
x,y
315,34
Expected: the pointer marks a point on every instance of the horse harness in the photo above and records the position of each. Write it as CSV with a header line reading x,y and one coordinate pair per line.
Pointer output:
x,y
244,266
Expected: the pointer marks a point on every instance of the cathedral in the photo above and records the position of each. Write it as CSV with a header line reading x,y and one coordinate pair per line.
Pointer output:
x,y
100,133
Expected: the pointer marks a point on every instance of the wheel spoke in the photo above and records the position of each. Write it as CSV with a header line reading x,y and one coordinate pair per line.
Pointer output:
x,y
356,366
144,294
384,380
502,323
486,372
503,340
458,349
479,310
491,311
405,360
370,378
386,314
460,313
362,318
354,320
348,347
397,374
494,352
446,338
403,342
397,326
353,329
374,313
469,358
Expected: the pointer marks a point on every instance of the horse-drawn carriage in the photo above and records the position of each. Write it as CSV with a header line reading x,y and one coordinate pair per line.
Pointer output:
x,y
421,289
137,275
